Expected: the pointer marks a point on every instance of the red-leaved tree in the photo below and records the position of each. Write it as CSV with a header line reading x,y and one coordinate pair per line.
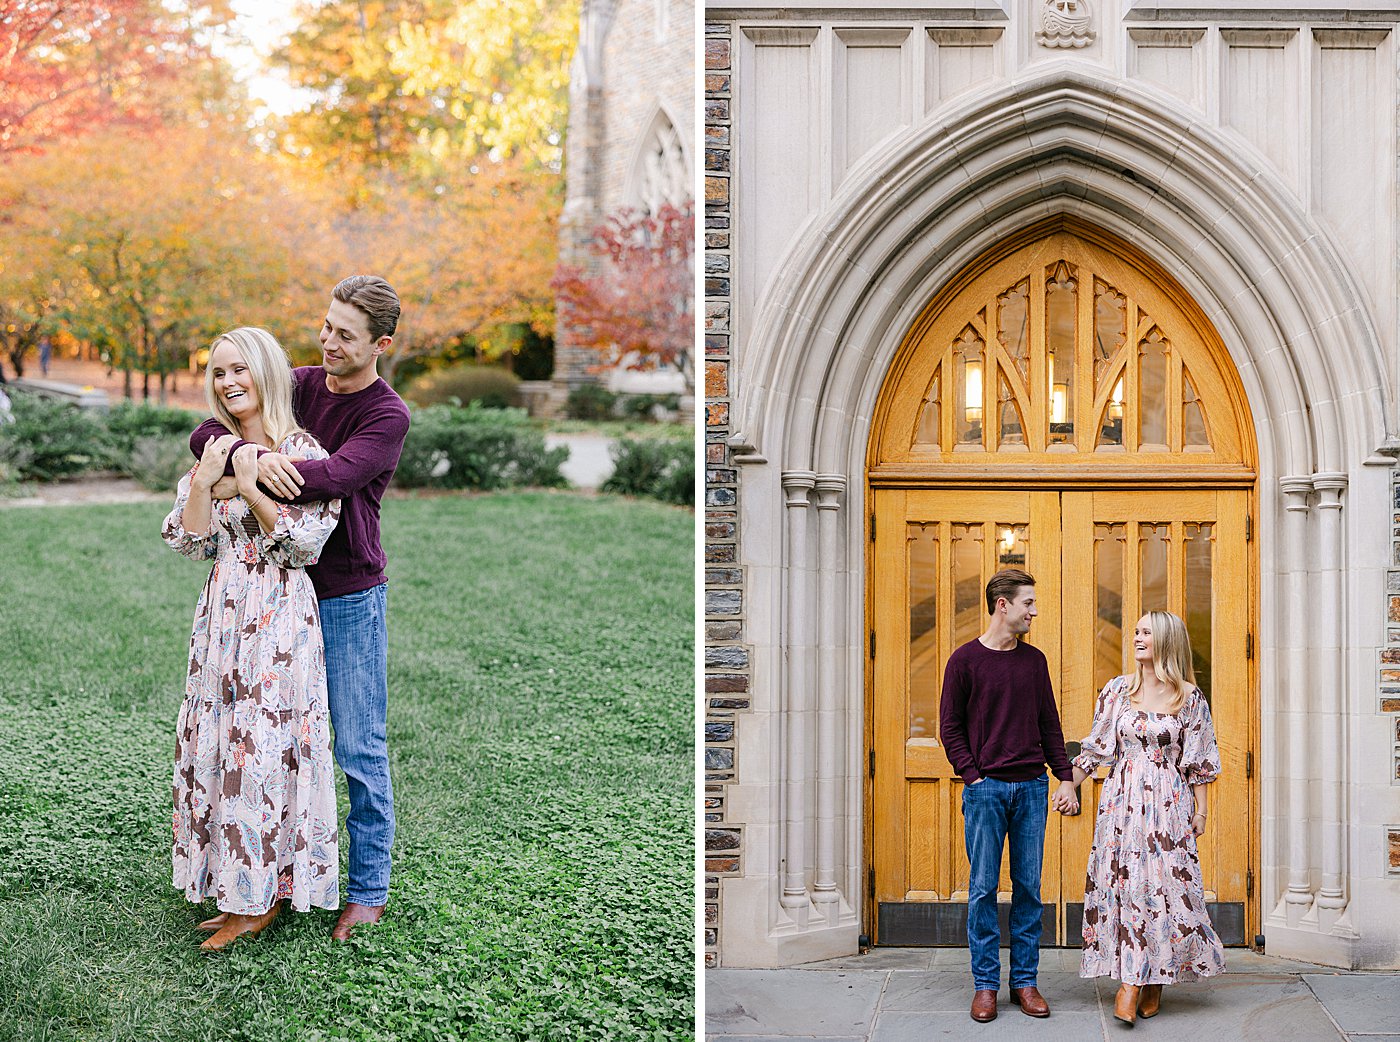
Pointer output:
x,y
635,305
70,65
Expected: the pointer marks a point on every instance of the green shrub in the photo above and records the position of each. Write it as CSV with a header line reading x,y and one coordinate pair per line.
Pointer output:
x,y
643,406
158,462
590,402
127,422
50,440
476,447
663,470
493,387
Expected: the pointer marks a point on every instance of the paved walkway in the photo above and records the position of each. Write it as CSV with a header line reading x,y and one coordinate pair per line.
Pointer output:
x,y
590,462
920,994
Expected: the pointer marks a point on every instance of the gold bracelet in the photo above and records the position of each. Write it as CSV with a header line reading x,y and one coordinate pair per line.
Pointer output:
x,y
254,503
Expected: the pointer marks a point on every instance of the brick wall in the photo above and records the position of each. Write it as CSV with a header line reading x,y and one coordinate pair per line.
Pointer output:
x,y
726,658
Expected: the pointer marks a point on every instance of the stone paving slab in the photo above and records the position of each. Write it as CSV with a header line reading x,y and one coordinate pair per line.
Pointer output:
x,y
942,992
1365,1005
955,1027
791,1002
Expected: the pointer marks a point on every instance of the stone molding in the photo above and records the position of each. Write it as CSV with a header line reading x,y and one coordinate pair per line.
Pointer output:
x,y
1056,142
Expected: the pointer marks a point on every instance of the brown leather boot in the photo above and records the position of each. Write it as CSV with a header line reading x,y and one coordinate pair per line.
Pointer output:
x,y
1125,1005
1030,1000
238,925
355,915
214,924
984,1006
1150,1001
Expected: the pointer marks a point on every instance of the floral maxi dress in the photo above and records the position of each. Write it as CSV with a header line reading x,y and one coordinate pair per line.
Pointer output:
x,y
255,813
1145,919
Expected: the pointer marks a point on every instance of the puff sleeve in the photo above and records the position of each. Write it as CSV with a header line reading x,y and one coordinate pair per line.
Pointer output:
x,y
302,528
1101,745
197,547
1200,759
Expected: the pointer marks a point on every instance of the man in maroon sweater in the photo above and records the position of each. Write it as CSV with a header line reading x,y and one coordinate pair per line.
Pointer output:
x,y
362,423
1000,727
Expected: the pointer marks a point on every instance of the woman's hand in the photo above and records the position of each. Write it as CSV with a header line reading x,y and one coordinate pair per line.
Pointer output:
x,y
245,470
1198,824
211,463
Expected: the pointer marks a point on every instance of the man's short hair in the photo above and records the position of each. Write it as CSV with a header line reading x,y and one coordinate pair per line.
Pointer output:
x,y
1005,584
373,296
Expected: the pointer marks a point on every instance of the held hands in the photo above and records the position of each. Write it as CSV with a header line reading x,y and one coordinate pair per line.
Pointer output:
x,y
211,463
1065,799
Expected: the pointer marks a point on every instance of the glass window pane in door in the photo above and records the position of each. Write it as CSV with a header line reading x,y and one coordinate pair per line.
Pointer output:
x,y
1152,578
1109,544
969,604
1061,324
1013,428
968,399
1199,547
1152,392
1193,424
930,430
924,662
1013,325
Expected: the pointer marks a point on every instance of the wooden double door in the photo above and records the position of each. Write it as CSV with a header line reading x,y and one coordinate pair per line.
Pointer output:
x,y
1101,558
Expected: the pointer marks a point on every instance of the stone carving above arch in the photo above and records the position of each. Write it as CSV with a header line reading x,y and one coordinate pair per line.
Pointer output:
x,y
1065,23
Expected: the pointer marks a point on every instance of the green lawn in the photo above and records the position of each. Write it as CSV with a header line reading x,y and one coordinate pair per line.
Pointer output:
x,y
540,728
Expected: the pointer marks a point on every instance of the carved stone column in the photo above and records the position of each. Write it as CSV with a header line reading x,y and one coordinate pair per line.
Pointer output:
x,y
1296,490
1329,671
797,486
831,490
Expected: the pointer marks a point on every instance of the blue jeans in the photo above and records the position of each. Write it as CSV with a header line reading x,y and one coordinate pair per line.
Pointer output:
x,y
993,811
357,685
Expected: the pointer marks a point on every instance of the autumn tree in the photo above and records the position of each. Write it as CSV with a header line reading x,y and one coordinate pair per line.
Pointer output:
x,y
168,237
428,86
67,66
634,304
467,261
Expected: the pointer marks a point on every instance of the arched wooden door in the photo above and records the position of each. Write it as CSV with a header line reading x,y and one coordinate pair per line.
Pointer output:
x,y
1064,408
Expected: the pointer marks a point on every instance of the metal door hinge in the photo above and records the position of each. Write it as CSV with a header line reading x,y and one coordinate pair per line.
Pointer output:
x,y
1249,883
872,763
872,643
870,883
1249,645
872,526
1249,528
1249,764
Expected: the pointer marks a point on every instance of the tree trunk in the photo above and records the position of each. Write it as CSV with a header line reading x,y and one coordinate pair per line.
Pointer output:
x,y
162,388
126,382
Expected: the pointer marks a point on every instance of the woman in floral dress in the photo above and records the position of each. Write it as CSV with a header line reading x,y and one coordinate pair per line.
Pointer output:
x,y
255,814
1145,920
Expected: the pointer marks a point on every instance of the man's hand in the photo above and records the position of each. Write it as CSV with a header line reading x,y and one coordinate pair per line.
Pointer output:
x,y
276,472
225,488
1065,800
211,463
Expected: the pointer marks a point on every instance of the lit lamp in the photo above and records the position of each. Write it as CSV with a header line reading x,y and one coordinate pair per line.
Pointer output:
x,y
1008,541
973,380
1059,403
1115,403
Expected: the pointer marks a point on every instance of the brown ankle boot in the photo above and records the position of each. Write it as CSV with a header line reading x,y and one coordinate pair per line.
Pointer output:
x,y
1150,1001
215,924
1125,1005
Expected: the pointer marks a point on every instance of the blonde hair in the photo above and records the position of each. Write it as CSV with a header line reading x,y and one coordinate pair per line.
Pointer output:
x,y
272,375
1171,659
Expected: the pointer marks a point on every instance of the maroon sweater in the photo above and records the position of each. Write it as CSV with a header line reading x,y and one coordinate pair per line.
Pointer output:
x,y
998,715
364,433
